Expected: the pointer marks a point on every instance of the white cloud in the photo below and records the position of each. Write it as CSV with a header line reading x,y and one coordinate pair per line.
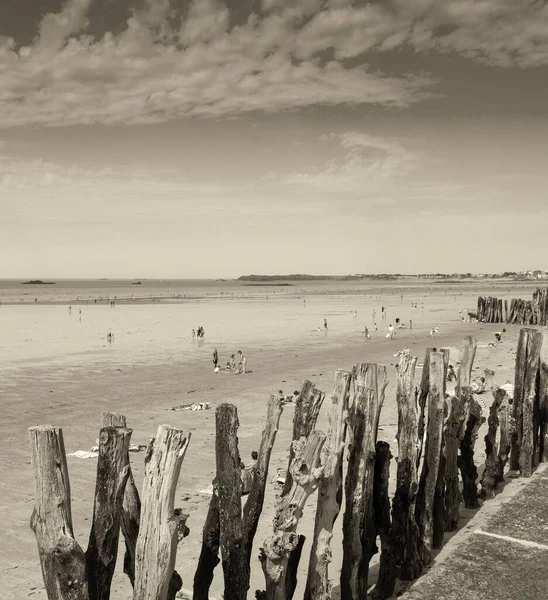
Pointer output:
x,y
363,164
150,73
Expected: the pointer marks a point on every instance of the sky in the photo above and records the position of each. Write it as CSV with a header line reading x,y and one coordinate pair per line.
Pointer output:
x,y
218,138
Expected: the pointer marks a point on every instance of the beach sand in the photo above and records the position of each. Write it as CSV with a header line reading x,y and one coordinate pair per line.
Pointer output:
x,y
73,396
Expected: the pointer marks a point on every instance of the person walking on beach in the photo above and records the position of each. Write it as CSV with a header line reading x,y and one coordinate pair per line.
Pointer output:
x,y
366,333
325,324
193,333
232,363
410,324
215,358
240,362
391,332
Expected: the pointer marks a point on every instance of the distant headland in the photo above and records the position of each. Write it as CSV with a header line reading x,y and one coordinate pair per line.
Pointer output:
x,y
37,282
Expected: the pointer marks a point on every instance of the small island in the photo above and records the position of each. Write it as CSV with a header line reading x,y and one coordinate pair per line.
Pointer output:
x,y
136,283
37,282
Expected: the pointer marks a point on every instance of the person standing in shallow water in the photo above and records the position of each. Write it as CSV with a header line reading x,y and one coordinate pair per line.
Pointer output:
x,y
325,323
215,358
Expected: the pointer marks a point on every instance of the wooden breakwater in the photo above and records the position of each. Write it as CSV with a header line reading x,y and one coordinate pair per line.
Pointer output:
x,y
347,467
520,312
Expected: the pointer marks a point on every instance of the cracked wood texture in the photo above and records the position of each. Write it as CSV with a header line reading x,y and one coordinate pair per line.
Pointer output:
x,y
255,500
368,388
279,550
131,515
61,558
162,526
229,490
112,475
432,455
384,587
318,585
405,531
489,478
307,409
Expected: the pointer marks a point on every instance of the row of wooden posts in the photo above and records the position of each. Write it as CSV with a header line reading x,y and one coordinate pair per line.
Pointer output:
x,y
520,312
436,473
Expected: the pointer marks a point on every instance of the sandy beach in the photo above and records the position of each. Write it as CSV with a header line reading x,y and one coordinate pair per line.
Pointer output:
x,y
73,396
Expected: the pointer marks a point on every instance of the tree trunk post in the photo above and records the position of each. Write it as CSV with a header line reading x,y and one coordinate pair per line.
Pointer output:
x,y
307,409
490,472
384,587
529,419
543,393
161,525
405,531
254,505
229,489
279,550
453,434
112,474
318,585
209,554
359,533
432,456
62,560
422,397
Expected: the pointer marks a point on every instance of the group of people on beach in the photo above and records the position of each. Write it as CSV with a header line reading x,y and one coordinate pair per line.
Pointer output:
x,y
233,367
200,332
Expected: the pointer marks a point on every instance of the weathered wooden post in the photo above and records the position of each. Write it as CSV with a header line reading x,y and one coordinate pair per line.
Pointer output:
x,y
307,409
453,436
405,531
279,548
161,525
490,472
62,560
359,532
472,422
131,515
229,490
384,587
543,394
526,406
318,585
528,452
432,455
209,553
112,475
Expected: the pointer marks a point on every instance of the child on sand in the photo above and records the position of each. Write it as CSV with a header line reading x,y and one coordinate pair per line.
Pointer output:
x,y
391,332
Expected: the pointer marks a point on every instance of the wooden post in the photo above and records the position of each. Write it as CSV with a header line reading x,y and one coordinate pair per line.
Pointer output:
x,y
284,543
422,396
229,486
112,474
529,419
506,311
405,531
307,408
384,587
543,396
369,384
254,505
490,472
131,515
454,432
209,554
62,559
432,456
318,585
162,526
505,422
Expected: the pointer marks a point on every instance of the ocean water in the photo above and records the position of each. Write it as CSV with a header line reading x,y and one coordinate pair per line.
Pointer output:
x,y
153,322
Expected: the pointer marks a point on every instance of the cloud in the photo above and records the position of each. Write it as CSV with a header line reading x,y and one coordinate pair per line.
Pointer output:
x,y
363,164
288,56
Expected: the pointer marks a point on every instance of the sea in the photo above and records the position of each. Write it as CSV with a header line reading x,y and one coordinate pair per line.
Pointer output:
x,y
151,320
